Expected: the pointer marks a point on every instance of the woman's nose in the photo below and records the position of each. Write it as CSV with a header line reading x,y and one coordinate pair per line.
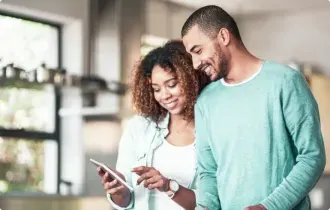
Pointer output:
x,y
165,94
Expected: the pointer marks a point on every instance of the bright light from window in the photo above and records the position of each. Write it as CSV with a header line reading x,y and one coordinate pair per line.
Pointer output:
x,y
149,42
28,165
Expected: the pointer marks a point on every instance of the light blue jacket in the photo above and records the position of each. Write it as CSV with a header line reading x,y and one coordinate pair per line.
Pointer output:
x,y
136,148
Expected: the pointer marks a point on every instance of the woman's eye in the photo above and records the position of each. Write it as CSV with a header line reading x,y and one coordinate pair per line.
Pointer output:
x,y
156,90
172,85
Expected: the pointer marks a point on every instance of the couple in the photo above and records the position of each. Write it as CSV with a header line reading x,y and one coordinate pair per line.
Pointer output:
x,y
252,140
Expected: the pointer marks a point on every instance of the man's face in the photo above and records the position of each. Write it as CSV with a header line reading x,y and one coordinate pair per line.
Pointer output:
x,y
206,53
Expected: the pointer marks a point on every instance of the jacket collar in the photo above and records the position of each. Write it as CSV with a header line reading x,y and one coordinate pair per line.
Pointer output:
x,y
164,123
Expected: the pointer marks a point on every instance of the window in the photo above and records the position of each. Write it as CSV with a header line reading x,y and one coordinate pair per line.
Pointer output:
x,y
150,42
29,124
25,108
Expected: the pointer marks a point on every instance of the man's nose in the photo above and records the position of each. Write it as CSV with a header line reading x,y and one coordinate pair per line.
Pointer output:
x,y
196,62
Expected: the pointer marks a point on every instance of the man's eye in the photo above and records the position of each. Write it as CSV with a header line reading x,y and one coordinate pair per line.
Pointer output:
x,y
199,51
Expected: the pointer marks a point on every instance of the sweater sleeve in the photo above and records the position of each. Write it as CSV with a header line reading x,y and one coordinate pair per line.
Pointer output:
x,y
302,120
207,194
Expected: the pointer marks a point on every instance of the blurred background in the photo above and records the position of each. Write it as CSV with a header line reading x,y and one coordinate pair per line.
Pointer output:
x,y
65,67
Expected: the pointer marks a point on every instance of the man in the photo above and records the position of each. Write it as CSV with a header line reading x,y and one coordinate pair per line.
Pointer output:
x,y
258,138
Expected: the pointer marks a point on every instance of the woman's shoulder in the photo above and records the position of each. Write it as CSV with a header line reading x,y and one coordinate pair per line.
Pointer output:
x,y
139,122
140,128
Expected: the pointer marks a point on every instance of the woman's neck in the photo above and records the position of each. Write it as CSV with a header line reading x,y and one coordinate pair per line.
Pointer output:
x,y
181,131
178,123
177,117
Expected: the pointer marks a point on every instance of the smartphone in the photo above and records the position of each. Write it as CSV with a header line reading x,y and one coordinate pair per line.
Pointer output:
x,y
112,173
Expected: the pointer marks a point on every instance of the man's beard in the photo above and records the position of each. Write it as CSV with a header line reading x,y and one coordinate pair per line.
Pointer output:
x,y
222,63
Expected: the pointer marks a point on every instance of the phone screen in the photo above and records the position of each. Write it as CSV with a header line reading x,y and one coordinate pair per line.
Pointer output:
x,y
112,173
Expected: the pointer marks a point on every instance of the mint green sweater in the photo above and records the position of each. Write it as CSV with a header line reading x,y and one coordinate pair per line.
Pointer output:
x,y
258,142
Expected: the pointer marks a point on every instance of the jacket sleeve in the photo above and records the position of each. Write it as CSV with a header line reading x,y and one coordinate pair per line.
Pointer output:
x,y
126,157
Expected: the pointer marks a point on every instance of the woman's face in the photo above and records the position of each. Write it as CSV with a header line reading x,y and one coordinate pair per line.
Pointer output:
x,y
167,90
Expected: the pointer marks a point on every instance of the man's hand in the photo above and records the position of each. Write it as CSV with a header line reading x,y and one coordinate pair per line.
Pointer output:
x,y
257,207
153,178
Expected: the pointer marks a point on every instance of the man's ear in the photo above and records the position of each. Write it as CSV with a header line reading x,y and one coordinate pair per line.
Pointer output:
x,y
224,36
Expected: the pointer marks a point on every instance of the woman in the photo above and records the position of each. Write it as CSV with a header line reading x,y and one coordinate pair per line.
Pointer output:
x,y
156,152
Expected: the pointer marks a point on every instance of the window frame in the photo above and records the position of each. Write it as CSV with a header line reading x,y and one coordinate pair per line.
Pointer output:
x,y
36,135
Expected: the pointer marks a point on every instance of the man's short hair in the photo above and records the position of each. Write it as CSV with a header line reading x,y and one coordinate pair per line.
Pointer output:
x,y
210,19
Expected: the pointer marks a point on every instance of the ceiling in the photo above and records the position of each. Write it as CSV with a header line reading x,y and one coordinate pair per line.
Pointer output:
x,y
239,7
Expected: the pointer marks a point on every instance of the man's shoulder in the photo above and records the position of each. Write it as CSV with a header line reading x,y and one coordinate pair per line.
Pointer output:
x,y
209,90
280,72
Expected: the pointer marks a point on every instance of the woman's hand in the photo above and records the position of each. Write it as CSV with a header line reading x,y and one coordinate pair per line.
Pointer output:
x,y
113,186
152,178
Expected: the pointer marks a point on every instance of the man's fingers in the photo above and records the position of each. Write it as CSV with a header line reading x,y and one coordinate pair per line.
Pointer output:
x,y
257,207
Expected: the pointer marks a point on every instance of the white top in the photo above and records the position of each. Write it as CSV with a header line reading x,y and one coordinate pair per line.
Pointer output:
x,y
243,82
173,162
138,145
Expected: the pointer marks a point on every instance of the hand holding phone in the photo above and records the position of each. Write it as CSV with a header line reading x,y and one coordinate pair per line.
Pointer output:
x,y
113,174
114,184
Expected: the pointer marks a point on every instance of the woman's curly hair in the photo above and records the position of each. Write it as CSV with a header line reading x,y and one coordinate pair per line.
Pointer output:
x,y
174,58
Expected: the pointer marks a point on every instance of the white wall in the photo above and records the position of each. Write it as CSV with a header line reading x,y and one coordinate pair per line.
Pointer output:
x,y
66,8
303,36
165,19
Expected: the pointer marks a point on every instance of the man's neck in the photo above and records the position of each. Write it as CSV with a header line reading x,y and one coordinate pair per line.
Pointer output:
x,y
242,66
